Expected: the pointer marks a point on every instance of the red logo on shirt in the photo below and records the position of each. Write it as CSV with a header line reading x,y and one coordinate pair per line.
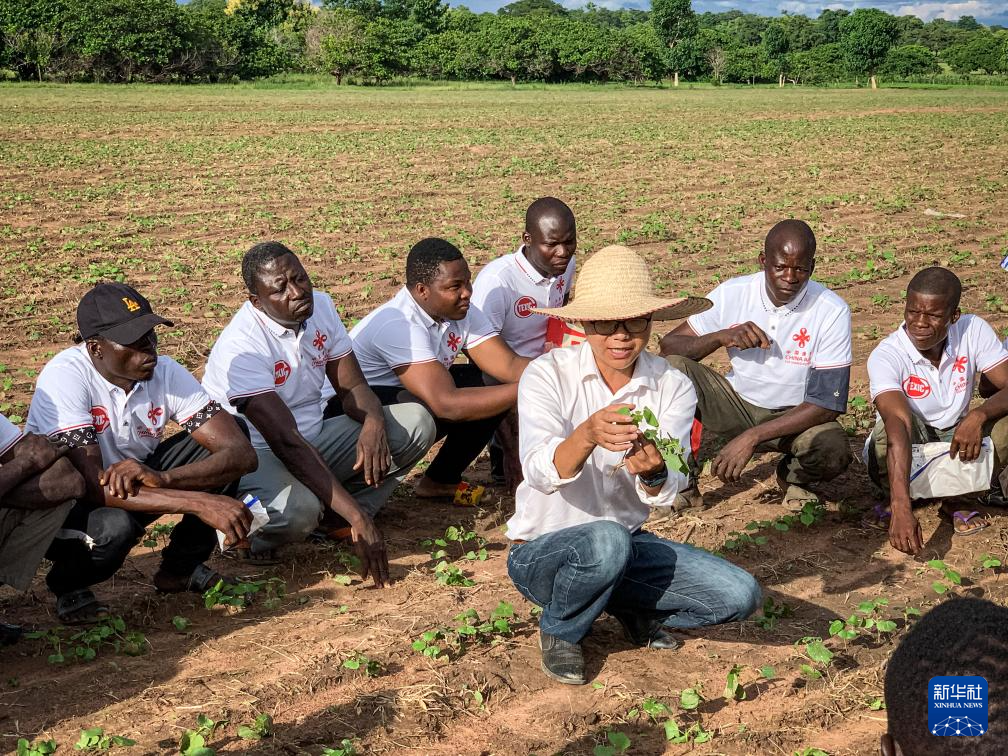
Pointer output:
x,y
99,418
453,341
281,372
960,364
154,414
559,284
802,337
916,387
523,307
320,340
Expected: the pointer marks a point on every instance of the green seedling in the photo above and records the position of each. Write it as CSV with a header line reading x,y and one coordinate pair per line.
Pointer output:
x,y
876,704
767,672
349,562
987,562
180,623
910,612
466,544
346,748
817,652
427,644
193,742
867,617
689,698
811,752
617,742
84,645
241,595
949,577
41,748
261,727
95,739
449,574
733,690
670,448
772,612
695,733
357,661
492,630
160,531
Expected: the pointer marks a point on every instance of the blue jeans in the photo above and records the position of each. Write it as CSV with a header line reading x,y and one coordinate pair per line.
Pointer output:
x,y
577,573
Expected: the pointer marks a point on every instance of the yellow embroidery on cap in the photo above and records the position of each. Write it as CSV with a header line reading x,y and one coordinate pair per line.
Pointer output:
x,y
131,305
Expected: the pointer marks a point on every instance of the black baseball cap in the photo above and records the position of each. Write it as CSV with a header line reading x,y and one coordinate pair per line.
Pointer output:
x,y
116,312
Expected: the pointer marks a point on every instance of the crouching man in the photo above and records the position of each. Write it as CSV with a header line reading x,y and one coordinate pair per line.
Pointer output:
x,y
590,476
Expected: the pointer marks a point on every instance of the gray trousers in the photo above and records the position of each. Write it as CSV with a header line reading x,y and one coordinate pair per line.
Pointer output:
x,y
819,453
25,534
294,511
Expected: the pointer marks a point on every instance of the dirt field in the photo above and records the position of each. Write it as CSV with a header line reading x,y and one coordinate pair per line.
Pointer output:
x,y
166,188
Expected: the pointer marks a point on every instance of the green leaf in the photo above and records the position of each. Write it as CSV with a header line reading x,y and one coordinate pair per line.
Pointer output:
x,y
885,626
810,672
619,741
768,672
689,699
180,623
818,652
623,411
836,626
649,417
939,587
247,733
342,579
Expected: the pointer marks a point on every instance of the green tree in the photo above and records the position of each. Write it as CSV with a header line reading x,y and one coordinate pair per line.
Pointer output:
x,y
825,64
676,25
866,36
776,45
904,61
334,43
982,52
533,8
33,33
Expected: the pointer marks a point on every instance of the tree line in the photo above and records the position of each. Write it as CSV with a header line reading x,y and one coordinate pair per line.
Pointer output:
x,y
375,41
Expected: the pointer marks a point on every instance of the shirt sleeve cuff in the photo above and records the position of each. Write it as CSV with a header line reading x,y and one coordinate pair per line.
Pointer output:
x,y
540,472
666,494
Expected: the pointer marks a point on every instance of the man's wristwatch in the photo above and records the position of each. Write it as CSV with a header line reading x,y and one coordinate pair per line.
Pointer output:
x,y
655,480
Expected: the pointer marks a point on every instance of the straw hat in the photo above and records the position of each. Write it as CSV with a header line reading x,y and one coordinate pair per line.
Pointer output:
x,y
615,284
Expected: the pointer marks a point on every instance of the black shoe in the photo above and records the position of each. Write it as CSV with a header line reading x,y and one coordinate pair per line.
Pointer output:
x,y
561,660
9,634
646,633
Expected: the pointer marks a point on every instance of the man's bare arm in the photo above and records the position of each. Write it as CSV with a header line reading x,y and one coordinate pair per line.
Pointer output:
x,y
432,384
684,341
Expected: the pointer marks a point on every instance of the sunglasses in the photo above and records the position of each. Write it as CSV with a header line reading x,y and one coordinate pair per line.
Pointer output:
x,y
609,327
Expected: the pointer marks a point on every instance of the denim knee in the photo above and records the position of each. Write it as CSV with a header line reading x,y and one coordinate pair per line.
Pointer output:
x,y
741,596
606,546
114,532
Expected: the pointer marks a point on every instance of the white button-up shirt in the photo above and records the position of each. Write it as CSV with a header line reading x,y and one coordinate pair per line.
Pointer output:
x,y
940,396
10,434
256,355
506,291
811,331
558,392
400,333
71,395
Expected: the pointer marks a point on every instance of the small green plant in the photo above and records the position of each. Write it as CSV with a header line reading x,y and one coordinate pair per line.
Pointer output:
x,y
160,531
811,752
428,643
767,672
817,652
346,748
193,742
670,448
41,748
449,574
695,733
689,698
988,562
867,617
180,623
241,595
457,543
358,661
876,703
949,577
772,612
617,742
733,687
95,739
84,645
261,727
492,630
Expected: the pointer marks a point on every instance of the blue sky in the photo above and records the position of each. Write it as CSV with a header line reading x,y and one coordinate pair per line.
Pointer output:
x,y
985,11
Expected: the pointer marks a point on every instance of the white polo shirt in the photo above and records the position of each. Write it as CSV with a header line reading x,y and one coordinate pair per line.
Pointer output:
x,y
256,355
558,392
811,331
506,291
940,396
400,333
10,434
72,400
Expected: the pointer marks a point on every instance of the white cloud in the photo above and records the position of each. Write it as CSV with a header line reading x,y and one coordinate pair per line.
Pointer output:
x,y
950,11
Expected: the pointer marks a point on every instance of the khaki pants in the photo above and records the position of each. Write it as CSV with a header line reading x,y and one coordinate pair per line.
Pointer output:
x,y
816,455
25,534
920,433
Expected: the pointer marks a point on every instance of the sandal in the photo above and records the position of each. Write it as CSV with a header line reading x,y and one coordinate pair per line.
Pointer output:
x,y
968,528
877,519
81,607
201,580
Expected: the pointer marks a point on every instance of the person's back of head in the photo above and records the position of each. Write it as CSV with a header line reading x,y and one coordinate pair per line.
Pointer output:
x,y
961,637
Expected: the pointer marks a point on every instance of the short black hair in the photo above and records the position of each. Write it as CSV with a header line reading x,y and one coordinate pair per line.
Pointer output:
x,y
792,234
547,207
425,258
965,636
938,281
257,258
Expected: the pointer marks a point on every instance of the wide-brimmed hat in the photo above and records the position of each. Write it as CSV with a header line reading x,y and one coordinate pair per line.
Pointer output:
x,y
615,284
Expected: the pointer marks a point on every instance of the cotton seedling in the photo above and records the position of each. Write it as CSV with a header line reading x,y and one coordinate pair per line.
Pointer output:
x,y
949,576
466,544
84,645
695,733
427,644
670,448
357,661
240,595
42,748
734,691
261,727
193,742
817,652
95,739
867,617
346,748
689,698
772,613
160,531
988,562
616,743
